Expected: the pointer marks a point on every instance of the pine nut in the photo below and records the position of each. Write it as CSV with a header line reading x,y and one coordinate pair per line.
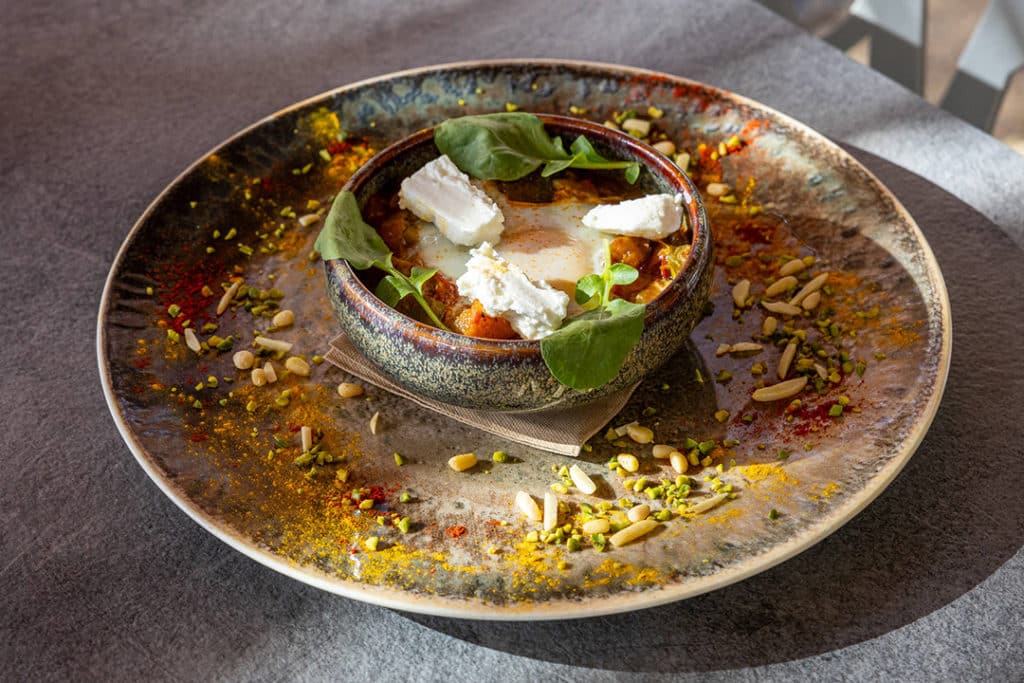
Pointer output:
x,y
621,431
349,390
745,347
781,308
812,286
639,512
633,532
596,526
717,189
640,434
308,219
682,160
783,284
297,366
259,378
628,462
285,318
270,372
243,360
777,392
662,451
307,438
787,359
722,349
528,506
582,480
666,147
769,325
273,344
678,462
740,292
550,511
642,127
792,267
811,301
706,505
462,461
192,341
375,425
225,300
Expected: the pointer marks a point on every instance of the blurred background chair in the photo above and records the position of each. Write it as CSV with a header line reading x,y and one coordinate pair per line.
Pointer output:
x,y
993,55
894,30
970,78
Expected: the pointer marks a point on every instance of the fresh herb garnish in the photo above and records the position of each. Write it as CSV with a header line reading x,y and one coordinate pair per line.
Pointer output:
x,y
347,236
589,351
510,146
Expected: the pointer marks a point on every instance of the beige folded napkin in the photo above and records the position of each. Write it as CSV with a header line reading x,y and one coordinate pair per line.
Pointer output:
x,y
559,430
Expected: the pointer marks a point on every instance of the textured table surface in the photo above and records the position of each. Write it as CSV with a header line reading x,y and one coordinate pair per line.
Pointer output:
x,y
103,578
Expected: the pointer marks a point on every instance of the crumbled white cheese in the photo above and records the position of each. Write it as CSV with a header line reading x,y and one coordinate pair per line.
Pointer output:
x,y
653,216
534,310
441,194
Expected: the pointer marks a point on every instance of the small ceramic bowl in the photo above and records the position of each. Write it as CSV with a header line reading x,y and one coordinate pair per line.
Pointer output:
x,y
508,375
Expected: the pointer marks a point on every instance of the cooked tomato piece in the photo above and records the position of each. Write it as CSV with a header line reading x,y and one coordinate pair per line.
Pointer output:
x,y
633,251
474,322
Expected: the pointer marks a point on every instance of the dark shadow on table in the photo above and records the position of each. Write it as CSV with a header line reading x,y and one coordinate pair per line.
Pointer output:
x,y
947,522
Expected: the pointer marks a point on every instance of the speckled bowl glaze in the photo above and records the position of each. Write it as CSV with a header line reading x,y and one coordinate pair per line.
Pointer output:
x,y
508,375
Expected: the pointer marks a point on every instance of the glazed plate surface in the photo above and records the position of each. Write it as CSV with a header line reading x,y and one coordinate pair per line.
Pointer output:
x,y
224,450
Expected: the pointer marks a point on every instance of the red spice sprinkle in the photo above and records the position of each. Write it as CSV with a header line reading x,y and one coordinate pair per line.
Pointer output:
x,y
456,531
375,493
199,437
338,147
813,419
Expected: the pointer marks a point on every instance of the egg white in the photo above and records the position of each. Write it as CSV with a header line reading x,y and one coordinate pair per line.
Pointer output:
x,y
548,242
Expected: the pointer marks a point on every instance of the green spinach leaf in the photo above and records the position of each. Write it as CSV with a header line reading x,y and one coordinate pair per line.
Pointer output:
x,y
589,351
509,146
347,236
393,289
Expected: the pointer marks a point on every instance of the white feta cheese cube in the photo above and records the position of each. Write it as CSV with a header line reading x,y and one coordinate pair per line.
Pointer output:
x,y
654,216
534,310
441,194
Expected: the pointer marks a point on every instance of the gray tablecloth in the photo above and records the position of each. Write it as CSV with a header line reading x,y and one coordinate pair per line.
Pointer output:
x,y
102,577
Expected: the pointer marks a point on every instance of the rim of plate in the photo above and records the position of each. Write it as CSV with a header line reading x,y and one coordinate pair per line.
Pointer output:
x,y
561,609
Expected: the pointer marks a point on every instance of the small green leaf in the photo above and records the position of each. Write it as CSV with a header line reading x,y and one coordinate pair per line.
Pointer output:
x,y
590,350
587,157
394,288
388,290
553,167
346,236
622,274
588,287
582,148
419,277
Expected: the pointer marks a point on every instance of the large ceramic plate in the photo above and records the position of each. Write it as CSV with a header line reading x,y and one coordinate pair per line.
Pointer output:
x,y
225,453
